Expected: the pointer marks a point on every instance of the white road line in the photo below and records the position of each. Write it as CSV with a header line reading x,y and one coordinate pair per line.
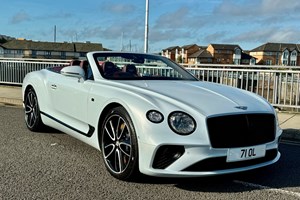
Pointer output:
x,y
295,194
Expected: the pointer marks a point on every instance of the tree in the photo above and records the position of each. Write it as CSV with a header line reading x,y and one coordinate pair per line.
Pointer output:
x,y
179,59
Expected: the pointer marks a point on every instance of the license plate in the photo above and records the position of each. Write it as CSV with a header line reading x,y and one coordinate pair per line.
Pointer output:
x,y
246,153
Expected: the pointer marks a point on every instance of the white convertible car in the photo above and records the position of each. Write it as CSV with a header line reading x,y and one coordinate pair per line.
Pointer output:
x,y
146,114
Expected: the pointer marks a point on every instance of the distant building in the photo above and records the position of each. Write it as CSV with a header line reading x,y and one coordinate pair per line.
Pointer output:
x,y
181,54
225,53
212,54
49,50
171,52
202,56
277,54
187,51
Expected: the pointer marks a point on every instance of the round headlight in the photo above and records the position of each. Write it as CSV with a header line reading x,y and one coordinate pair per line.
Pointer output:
x,y
181,123
154,116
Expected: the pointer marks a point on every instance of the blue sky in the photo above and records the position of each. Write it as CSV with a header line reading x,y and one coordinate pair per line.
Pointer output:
x,y
171,22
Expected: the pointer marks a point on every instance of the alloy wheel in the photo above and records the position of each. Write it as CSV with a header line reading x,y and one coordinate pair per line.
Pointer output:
x,y
116,144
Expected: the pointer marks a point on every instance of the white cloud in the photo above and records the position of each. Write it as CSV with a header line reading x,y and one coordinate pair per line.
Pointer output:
x,y
20,17
118,8
272,34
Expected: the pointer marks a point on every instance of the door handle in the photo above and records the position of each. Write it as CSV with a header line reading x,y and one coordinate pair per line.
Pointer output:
x,y
53,86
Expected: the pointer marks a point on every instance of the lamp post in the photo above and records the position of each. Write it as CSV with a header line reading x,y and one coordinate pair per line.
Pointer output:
x,y
146,27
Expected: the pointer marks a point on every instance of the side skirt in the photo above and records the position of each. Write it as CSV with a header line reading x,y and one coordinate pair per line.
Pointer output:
x,y
88,134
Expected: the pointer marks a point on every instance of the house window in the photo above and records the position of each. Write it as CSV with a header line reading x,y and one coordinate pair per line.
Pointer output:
x,y
63,55
237,61
268,62
20,52
268,53
48,54
293,63
294,53
285,57
285,54
237,51
285,62
33,54
7,51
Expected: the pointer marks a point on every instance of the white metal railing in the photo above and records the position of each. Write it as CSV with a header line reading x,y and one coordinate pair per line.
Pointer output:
x,y
279,85
13,71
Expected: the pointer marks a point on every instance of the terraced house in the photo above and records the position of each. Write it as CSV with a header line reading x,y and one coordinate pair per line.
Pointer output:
x,y
277,54
212,54
21,48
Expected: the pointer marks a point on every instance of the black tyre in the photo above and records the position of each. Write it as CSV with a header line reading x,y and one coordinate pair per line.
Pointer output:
x,y
119,145
32,112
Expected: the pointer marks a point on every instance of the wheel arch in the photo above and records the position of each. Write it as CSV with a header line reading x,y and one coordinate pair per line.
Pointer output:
x,y
27,88
104,112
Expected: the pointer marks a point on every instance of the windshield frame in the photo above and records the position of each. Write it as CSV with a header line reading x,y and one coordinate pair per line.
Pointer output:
x,y
139,59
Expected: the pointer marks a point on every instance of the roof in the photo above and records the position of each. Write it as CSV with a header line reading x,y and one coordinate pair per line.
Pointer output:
x,y
51,46
171,48
225,46
245,56
86,47
202,53
189,46
275,47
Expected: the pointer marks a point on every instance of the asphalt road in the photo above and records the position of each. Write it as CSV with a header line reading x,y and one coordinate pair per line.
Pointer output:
x,y
53,165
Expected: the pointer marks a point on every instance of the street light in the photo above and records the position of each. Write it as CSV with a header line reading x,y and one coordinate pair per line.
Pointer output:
x,y
146,27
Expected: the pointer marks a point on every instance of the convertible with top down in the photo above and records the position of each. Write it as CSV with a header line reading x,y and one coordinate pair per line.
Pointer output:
x,y
147,114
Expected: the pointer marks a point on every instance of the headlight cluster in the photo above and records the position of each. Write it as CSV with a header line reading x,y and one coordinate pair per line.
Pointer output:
x,y
180,122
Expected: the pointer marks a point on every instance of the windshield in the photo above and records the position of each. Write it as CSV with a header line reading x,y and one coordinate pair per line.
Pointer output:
x,y
135,66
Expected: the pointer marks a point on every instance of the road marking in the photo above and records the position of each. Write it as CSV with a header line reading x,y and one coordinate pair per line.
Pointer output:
x,y
295,194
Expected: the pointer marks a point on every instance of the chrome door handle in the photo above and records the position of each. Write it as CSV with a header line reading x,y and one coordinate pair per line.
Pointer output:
x,y
53,86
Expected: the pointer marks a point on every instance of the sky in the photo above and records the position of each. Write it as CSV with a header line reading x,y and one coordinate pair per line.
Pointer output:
x,y
120,24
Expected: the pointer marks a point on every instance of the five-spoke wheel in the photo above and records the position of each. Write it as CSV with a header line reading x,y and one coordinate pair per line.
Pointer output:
x,y
119,144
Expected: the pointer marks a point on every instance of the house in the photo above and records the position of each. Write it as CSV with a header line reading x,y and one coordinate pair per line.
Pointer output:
x,y
186,51
180,54
277,54
247,59
21,48
171,52
201,56
225,53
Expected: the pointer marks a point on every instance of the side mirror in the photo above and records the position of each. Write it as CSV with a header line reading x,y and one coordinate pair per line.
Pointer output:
x,y
73,71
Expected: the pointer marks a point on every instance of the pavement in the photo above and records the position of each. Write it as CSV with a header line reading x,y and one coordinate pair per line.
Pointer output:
x,y
288,121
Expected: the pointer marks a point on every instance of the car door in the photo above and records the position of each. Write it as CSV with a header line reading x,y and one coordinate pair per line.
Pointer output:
x,y
69,96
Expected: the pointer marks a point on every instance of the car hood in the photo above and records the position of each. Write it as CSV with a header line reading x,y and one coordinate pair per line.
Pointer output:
x,y
208,98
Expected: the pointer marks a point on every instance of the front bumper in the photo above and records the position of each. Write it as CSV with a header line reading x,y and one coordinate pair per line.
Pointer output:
x,y
197,161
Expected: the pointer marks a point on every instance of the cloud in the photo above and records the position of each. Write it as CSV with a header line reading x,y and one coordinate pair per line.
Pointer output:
x,y
118,8
20,17
272,34
257,8
280,7
168,35
215,37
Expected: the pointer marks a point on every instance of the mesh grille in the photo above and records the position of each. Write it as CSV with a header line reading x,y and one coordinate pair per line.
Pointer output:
x,y
241,130
166,155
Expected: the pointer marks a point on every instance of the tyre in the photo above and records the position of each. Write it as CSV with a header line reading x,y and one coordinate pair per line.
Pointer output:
x,y
32,112
119,145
